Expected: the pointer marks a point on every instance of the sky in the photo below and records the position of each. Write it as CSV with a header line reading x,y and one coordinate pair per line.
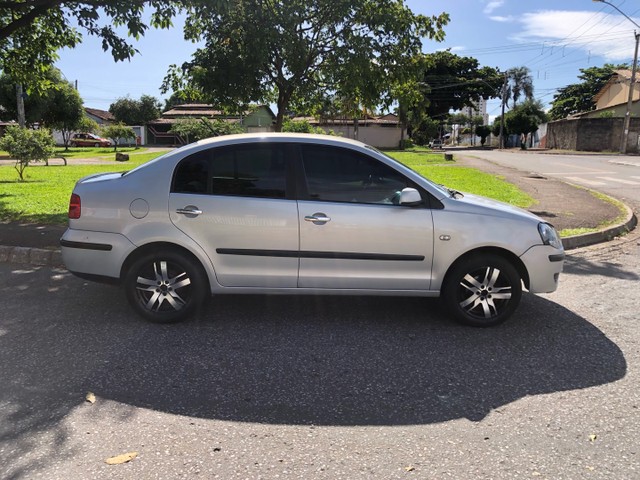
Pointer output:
x,y
555,39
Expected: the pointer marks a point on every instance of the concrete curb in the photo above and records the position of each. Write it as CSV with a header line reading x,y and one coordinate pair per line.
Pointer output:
x,y
31,256
603,235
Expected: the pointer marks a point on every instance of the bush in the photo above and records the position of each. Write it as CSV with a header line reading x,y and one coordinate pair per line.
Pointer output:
x,y
26,146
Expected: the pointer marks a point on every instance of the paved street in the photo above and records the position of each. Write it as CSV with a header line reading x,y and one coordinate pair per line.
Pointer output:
x,y
327,388
616,175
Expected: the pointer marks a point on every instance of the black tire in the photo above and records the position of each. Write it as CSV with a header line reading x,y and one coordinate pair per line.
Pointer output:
x,y
96,145
166,286
482,290
73,144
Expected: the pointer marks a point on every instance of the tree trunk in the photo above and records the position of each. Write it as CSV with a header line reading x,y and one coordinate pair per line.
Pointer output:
x,y
20,102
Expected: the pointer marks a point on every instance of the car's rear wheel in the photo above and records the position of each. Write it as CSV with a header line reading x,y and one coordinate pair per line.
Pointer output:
x,y
96,144
73,144
482,290
165,286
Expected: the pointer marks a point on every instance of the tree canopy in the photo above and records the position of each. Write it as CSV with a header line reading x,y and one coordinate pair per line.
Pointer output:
x,y
32,31
519,84
136,112
578,97
451,82
59,107
263,51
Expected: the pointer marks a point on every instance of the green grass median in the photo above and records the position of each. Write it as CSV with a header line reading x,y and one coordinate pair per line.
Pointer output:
x,y
44,196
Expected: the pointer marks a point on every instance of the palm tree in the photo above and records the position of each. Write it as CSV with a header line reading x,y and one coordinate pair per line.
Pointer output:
x,y
520,83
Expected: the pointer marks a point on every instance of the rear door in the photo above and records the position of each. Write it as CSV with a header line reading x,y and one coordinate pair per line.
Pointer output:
x,y
235,202
353,232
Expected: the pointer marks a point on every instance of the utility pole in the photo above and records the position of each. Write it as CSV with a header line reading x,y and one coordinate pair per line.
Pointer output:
x,y
632,85
504,94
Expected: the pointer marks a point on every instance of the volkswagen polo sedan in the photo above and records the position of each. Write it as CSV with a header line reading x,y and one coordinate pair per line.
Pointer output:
x,y
301,214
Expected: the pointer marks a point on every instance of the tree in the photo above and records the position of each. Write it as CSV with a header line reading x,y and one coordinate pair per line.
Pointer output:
x,y
194,129
483,131
578,97
287,52
59,107
87,125
525,118
32,31
118,131
136,112
26,146
450,82
519,83
64,111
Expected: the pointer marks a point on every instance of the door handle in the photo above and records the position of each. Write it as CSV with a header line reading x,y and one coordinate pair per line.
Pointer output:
x,y
317,218
189,210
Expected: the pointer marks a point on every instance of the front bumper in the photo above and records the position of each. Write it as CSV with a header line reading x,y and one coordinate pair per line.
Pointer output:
x,y
544,264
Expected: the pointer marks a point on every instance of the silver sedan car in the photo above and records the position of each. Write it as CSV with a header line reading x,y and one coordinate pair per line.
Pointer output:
x,y
301,214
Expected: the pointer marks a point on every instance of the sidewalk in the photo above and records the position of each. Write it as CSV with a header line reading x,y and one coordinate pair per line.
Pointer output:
x,y
563,205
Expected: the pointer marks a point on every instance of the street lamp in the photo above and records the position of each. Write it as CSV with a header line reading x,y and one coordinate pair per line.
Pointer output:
x,y
627,115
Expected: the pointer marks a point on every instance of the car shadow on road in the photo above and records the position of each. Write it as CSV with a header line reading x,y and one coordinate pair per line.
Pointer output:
x,y
357,361
296,360
578,265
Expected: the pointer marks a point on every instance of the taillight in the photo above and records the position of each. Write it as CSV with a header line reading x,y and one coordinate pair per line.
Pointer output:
x,y
74,207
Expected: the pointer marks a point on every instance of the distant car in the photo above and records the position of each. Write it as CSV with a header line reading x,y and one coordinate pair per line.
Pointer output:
x,y
436,144
88,140
301,214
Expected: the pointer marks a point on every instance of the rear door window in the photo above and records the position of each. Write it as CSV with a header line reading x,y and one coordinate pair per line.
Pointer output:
x,y
244,170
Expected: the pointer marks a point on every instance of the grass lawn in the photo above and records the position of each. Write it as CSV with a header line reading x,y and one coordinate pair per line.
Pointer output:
x,y
44,196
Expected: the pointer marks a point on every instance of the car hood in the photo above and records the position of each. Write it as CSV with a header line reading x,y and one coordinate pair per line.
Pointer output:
x,y
477,204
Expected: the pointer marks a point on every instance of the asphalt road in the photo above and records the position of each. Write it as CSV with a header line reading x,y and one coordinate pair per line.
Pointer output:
x,y
323,388
616,175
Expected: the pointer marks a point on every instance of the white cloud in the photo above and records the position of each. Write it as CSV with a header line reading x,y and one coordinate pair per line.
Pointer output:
x,y
600,34
492,5
501,19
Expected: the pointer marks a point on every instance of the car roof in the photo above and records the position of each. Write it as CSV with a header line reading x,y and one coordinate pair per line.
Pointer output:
x,y
283,137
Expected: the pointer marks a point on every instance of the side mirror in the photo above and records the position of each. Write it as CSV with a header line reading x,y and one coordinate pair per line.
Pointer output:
x,y
410,197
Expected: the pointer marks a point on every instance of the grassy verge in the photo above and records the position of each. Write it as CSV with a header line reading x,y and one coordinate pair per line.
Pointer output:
x,y
44,196
570,232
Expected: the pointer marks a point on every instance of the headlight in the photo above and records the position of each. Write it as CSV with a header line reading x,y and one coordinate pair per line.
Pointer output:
x,y
549,235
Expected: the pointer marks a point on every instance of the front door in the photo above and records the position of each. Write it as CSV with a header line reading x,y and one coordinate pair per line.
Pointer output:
x,y
353,232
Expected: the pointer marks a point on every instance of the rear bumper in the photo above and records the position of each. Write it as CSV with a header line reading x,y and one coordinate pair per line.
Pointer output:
x,y
544,264
90,254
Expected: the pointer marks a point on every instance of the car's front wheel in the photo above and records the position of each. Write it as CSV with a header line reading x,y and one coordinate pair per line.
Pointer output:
x,y
165,286
482,290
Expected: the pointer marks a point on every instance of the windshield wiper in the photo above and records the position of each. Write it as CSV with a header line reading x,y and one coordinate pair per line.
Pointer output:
x,y
455,193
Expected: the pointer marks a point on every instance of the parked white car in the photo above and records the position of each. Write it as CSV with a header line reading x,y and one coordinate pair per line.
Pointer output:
x,y
301,214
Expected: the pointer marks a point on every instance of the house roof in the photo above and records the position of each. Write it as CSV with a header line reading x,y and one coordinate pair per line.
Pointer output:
x,y
103,114
388,119
618,76
204,110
